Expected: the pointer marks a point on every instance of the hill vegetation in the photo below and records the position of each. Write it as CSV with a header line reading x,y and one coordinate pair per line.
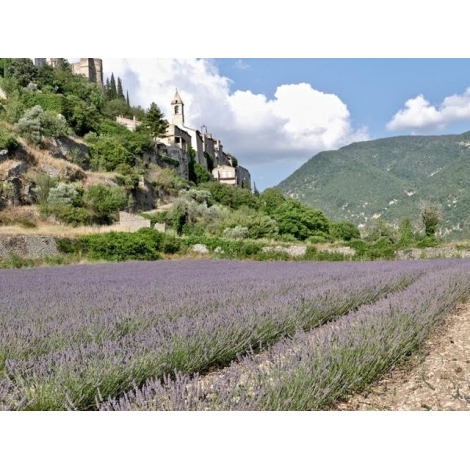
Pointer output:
x,y
390,179
65,156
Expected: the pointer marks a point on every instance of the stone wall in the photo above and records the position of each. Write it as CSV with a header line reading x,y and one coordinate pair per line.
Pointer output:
x,y
28,246
131,124
424,253
131,223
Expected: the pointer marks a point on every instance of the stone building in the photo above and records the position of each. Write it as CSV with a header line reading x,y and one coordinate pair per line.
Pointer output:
x,y
177,119
174,148
235,176
90,68
225,174
204,144
131,124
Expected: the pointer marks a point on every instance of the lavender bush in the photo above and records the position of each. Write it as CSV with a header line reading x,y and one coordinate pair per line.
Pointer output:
x,y
313,370
73,336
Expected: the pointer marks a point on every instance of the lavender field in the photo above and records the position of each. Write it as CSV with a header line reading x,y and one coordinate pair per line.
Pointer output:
x,y
269,335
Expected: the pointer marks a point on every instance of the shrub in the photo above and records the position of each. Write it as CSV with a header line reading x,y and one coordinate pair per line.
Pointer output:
x,y
83,117
344,231
37,123
231,196
107,153
7,140
117,246
317,239
236,232
299,220
62,194
169,183
70,215
44,183
431,215
48,101
171,245
105,201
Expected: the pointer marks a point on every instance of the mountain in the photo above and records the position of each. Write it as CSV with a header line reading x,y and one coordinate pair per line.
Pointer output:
x,y
387,178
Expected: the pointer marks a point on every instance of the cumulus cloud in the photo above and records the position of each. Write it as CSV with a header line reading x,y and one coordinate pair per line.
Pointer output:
x,y
297,122
420,115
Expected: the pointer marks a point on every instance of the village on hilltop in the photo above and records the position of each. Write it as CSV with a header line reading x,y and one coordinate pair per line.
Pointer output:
x,y
179,139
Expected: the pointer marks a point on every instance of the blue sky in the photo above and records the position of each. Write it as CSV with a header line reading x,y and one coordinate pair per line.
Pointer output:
x,y
275,114
354,98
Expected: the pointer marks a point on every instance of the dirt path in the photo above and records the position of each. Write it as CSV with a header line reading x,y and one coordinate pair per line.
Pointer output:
x,y
437,378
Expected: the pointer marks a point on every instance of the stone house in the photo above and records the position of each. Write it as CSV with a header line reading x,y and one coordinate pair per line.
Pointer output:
x,y
131,124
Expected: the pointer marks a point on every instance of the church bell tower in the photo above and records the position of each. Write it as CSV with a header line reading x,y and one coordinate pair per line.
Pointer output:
x,y
177,106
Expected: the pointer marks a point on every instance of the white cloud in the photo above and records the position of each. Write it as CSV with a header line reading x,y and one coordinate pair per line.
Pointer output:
x,y
420,115
296,123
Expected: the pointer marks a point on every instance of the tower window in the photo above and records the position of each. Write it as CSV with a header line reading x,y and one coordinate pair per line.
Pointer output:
x,y
177,109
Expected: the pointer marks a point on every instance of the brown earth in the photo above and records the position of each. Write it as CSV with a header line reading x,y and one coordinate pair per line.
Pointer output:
x,y
436,378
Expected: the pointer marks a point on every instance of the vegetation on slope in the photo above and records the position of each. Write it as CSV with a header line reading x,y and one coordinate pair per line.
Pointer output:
x,y
387,178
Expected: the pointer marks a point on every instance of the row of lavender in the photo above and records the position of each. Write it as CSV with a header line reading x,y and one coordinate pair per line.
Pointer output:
x,y
73,334
313,370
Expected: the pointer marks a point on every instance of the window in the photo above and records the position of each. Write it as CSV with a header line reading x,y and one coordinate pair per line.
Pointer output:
x,y
177,109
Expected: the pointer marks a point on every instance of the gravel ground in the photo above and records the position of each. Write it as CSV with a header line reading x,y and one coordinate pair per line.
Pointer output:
x,y
436,378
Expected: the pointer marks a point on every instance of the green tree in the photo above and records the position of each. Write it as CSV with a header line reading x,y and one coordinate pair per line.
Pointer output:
x,y
380,229
231,196
23,70
127,100
344,231
154,122
45,75
405,232
82,116
271,199
107,88
120,92
115,107
112,88
138,112
299,220
4,66
430,216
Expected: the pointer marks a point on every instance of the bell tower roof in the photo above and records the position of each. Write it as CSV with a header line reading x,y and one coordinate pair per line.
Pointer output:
x,y
177,98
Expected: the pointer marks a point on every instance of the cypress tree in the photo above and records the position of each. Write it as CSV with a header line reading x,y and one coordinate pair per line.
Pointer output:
x,y
120,92
107,88
112,88
127,99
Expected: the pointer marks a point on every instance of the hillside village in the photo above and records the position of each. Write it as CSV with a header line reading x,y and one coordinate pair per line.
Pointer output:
x,y
209,153
74,153
184,325
179,139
